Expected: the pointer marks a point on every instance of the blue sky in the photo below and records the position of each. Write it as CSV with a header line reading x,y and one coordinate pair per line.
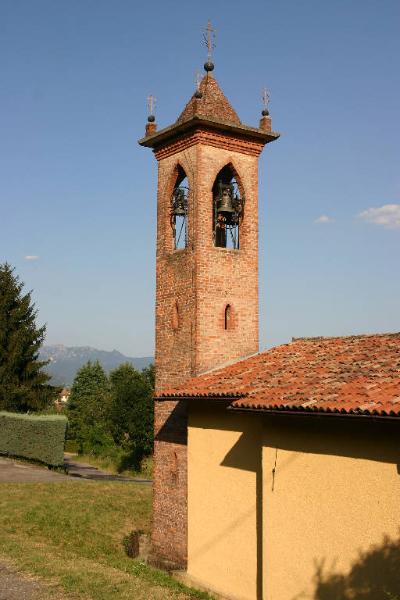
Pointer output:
x,y
77,191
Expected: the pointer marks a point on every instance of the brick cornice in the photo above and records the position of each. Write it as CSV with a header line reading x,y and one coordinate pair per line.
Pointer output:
x,y
210,138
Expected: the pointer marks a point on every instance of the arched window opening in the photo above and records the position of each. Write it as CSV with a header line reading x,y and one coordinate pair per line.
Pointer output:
x,y
228,317
179,210
175,316
228,209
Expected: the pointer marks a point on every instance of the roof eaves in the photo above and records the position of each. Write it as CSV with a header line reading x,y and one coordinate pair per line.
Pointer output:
x,y
192,396
163,135
316,412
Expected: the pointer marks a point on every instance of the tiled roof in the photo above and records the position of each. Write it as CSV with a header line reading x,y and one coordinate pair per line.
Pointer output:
x,y
355,375
213,103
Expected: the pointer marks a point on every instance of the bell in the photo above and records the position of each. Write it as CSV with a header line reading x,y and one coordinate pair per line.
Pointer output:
x,y
178,203
224,202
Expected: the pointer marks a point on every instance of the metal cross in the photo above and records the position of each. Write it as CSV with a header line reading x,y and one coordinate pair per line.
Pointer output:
x,y
209,37
151,105
197,80
265,98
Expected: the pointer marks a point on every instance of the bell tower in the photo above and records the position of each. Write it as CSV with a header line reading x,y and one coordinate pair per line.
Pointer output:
x,y
207,275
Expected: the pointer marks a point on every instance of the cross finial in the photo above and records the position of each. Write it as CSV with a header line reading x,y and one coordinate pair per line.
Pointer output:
x,y
265,100
198,80
208,38
151,107
198,93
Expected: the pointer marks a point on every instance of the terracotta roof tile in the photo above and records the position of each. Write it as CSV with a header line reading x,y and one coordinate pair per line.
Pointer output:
x,y
213,104
347,375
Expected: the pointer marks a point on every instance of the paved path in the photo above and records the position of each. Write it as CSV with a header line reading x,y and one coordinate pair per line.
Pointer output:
x,y
14,586
86,471
13,471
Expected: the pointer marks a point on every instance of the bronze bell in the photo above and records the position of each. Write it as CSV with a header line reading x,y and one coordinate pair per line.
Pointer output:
x,y
179,203
225,200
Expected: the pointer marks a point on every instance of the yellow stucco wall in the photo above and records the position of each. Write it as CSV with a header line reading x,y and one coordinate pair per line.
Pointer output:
x,y
335,494
222,540
253,535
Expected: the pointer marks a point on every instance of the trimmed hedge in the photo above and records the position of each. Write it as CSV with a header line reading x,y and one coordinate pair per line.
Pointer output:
x,y
31,436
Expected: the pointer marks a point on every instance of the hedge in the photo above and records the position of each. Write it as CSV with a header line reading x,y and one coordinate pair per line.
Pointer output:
x,y
36,437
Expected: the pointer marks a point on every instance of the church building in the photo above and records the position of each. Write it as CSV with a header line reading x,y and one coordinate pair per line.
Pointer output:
x,y
276,473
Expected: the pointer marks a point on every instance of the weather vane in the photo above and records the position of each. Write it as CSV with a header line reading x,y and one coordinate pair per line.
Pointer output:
x,y
151,108
265,100
208,39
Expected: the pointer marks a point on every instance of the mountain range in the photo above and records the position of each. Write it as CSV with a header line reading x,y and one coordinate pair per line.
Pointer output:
x,y
66,360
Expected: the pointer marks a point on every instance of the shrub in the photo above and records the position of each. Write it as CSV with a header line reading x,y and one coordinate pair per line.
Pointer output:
x,y
38,438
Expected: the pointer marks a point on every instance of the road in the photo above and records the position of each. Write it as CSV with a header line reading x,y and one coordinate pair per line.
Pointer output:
x,y
14,471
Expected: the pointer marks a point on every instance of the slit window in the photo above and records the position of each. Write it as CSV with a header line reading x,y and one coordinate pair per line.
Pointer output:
x,y
228,317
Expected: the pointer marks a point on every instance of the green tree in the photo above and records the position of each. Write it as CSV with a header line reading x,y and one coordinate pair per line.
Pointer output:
x,y
149,373
88,409
131,412
23,384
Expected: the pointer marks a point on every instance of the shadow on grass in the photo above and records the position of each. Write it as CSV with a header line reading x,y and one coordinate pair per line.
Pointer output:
x,y
375,575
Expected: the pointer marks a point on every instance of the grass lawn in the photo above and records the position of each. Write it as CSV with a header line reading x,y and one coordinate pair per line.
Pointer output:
x,y
70,534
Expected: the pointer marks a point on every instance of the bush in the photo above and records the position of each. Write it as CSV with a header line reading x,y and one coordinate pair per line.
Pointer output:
x,y
38,438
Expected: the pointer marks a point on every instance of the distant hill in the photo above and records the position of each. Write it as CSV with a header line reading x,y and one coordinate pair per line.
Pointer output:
x,y
65,361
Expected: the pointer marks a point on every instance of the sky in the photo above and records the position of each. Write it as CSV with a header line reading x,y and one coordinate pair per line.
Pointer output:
x,y
78,194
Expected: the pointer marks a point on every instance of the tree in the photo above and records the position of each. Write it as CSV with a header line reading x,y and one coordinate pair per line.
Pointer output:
x,y
131,412
149,373
23,384
88,409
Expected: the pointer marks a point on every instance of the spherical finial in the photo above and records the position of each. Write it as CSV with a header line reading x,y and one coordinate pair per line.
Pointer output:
x,y
209,66
265,112
151,118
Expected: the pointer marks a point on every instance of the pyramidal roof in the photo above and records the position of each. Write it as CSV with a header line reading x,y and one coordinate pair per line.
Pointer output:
x,y
213,104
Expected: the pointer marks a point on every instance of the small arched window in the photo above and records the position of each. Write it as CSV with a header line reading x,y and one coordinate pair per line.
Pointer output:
x,y
228,317
228,207
175,316
179,210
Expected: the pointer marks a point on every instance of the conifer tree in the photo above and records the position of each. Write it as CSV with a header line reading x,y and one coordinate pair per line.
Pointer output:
x,y
23,384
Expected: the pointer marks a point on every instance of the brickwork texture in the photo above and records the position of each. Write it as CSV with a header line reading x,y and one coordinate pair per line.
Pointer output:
x,y
194,286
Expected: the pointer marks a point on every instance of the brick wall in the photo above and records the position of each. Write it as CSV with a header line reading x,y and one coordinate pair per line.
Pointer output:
x,y
194,285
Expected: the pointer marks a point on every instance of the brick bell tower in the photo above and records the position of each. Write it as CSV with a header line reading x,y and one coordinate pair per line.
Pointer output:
x,y
207,276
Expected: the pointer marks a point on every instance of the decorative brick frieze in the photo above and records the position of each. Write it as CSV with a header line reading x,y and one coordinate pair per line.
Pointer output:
x,y
212,138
